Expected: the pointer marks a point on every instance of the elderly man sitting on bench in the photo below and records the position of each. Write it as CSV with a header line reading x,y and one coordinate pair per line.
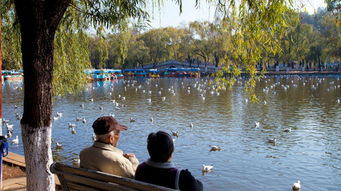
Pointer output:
x,y
103,155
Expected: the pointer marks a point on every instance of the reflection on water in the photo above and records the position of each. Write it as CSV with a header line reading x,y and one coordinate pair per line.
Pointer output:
x,y
310,152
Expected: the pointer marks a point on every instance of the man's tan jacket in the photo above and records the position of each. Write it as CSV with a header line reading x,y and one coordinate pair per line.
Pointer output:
x,y
107,158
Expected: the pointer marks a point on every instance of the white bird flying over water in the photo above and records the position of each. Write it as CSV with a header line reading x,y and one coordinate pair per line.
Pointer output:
x,y
257,124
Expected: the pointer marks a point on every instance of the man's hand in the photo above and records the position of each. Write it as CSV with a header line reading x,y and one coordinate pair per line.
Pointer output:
x,y
128,155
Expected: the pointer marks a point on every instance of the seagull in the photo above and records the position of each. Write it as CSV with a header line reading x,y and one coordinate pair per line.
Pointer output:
x,y
287,130
59,114
9,127
191,125
55,118
91,99
84,120
5,121
206,168
163,98
59,145
72,125
215,148
82,105
273,141
151,119
132,120
9,134
149,100
338,101
257,124
76,161
16,140
100,108
73,131
175,133
296,186
94,137
79,118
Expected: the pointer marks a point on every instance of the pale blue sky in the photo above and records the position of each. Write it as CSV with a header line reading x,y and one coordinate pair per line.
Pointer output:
x,y
168,15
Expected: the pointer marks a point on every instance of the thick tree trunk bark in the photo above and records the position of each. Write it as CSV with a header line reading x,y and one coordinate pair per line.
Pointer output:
x,y
38,157
38,23
1,85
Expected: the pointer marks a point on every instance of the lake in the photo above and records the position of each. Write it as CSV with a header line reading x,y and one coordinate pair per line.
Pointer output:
x,y
310,106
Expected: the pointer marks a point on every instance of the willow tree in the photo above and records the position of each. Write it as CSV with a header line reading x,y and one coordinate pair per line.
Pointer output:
x,y
39,22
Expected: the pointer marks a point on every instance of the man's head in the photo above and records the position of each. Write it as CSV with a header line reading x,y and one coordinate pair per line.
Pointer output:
x,y
160,146
107,130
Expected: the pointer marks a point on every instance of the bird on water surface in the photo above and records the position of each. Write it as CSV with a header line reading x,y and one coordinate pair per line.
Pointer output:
x,y
296,186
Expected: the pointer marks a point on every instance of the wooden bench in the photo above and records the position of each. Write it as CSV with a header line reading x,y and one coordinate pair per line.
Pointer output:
x,y
73,178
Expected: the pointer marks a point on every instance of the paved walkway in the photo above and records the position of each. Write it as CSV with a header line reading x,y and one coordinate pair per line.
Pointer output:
x,y
17,184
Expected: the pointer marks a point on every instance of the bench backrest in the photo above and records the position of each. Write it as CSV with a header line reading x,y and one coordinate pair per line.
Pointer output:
x,y
73,178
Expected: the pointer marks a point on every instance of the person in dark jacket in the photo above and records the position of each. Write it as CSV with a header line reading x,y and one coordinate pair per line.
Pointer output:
x,y
159,169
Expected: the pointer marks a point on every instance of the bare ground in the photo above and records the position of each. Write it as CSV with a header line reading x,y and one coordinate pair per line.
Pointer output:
x,y
11,171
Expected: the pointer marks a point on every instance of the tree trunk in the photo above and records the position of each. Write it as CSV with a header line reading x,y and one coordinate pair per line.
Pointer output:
x,y
38,23
38,157
1,86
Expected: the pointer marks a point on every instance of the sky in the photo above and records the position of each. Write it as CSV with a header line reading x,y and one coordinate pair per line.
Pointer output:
x,y
169,15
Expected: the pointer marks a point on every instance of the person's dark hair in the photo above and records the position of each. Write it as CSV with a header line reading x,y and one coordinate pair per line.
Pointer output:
x,y
160,146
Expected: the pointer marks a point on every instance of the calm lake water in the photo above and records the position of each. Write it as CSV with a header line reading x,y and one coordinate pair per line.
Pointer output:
x,y
311,152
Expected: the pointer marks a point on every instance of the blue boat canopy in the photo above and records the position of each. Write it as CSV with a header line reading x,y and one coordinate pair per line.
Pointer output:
x,y
133,70
153,70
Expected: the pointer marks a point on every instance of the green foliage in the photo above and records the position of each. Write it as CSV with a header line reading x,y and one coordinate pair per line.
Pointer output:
x,y
71,58
246,33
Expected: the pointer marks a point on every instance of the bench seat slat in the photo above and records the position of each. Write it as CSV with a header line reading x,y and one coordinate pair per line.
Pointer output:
x,y
78,187
95,183
97,179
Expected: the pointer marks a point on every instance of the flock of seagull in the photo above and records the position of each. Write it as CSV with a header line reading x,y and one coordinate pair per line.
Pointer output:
x,y
202,86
